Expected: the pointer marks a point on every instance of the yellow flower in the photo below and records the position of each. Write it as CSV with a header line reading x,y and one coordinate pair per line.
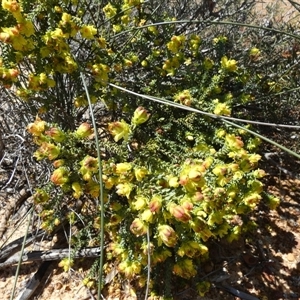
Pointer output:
x,y
42,78
147,216
48,150
115,219
88,282
123,168
173,181
66,18
66,264
130,269
222,109
90,163
37,128
153,30
109,10
60,176
184,97
180,213
5,37
109,182
254,158
88,31
229,65
195,42
125,19
259,173
234,142
101,42
192,249
26,28
124,189
11,5
76,187
140,173
41,196
100,71
176,43
89,166
185,269
119,130
160,256
139,203
203,287
93,188
117,28
57,33
252,200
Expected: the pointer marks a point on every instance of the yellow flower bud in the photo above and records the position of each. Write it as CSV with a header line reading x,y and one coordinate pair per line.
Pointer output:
x,y
58,163
147,216
84,130
180,213
76,187
167,235
41,196
138,227
254,52
139,203
56,134
66,264
140,116
144,63
155,204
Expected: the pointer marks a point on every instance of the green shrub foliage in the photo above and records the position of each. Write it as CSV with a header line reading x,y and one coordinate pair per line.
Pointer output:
x,y
173,176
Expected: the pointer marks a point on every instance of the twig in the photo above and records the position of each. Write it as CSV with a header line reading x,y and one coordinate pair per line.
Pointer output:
x,y
236,292
34,282
49,255
16,245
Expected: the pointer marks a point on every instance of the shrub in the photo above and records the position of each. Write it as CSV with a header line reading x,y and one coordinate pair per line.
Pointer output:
x,y
170,176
